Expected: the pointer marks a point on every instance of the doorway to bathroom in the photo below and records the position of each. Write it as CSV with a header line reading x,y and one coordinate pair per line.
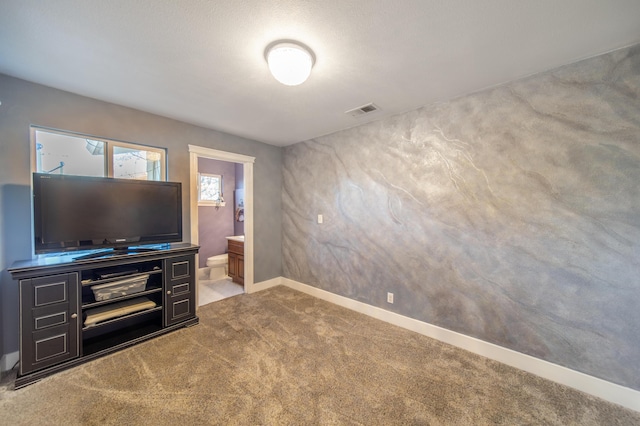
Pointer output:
x,y
221,204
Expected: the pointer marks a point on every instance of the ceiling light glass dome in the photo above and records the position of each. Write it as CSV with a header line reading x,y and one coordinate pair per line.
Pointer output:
x,y
290,63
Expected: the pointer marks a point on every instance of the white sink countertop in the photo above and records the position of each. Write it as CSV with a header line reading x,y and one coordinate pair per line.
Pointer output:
x,y
239,238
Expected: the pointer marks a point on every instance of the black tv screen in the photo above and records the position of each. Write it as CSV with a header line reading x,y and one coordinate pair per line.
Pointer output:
x,y
82,213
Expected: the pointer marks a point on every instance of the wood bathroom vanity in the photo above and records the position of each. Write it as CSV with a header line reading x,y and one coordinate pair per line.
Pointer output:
x,y
236,259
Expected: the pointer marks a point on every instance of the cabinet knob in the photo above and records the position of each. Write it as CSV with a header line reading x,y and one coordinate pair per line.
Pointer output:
x,y
168,291
74,316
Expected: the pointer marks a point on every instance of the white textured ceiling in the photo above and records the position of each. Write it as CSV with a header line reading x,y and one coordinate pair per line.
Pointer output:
x,y
202,61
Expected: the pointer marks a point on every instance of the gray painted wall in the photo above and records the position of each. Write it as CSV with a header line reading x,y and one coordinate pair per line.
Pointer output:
x,y
214,224
25,103
511,215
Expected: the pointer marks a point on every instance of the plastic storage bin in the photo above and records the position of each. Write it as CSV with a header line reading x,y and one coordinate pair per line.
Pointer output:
x,y
120,288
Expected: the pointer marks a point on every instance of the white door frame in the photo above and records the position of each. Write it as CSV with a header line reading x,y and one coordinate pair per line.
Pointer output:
x,y
196,152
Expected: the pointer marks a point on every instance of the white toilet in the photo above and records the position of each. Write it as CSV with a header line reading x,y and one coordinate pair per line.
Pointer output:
x,y
218,267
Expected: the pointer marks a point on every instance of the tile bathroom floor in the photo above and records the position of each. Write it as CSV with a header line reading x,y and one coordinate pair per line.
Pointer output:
x,y
211,291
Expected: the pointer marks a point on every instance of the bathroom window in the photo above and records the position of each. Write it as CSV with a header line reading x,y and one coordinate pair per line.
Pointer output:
x,y
210,190
67,153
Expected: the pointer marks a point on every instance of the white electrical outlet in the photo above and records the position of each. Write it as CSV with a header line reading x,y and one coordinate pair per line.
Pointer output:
x,y
320,219
389,297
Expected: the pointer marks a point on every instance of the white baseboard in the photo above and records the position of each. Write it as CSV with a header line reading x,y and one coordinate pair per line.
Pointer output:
x,y
8,361
603,389
263,285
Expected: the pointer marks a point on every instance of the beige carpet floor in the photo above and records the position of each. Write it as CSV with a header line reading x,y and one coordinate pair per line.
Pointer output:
x,y
283,357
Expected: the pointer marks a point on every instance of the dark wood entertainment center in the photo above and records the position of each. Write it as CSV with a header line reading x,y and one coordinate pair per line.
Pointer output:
x,y
57,299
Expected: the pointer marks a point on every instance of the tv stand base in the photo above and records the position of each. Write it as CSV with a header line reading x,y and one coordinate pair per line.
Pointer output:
x,y
59,299
22,381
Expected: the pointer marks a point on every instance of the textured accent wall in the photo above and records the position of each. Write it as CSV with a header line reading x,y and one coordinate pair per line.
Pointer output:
x,y
511,215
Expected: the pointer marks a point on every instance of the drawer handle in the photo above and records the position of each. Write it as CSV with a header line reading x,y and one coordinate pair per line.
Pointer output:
x,y
168,291
74,316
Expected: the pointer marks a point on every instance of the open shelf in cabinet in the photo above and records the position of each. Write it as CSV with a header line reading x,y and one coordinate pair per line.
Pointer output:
x,y
88,330
123,332
88,301
109,274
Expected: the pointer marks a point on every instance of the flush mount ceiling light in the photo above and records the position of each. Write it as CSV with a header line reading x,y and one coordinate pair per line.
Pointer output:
x,y
290,62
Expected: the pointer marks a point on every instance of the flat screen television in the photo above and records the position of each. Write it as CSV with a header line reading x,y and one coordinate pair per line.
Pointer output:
x,y
84,213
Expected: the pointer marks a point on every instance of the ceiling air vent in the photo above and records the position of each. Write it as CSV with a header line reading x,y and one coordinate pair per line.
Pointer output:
x,y
362,110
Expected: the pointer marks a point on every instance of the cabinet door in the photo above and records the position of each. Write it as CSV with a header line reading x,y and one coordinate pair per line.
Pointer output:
x,y
49,328
179,289
233,264
240,269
